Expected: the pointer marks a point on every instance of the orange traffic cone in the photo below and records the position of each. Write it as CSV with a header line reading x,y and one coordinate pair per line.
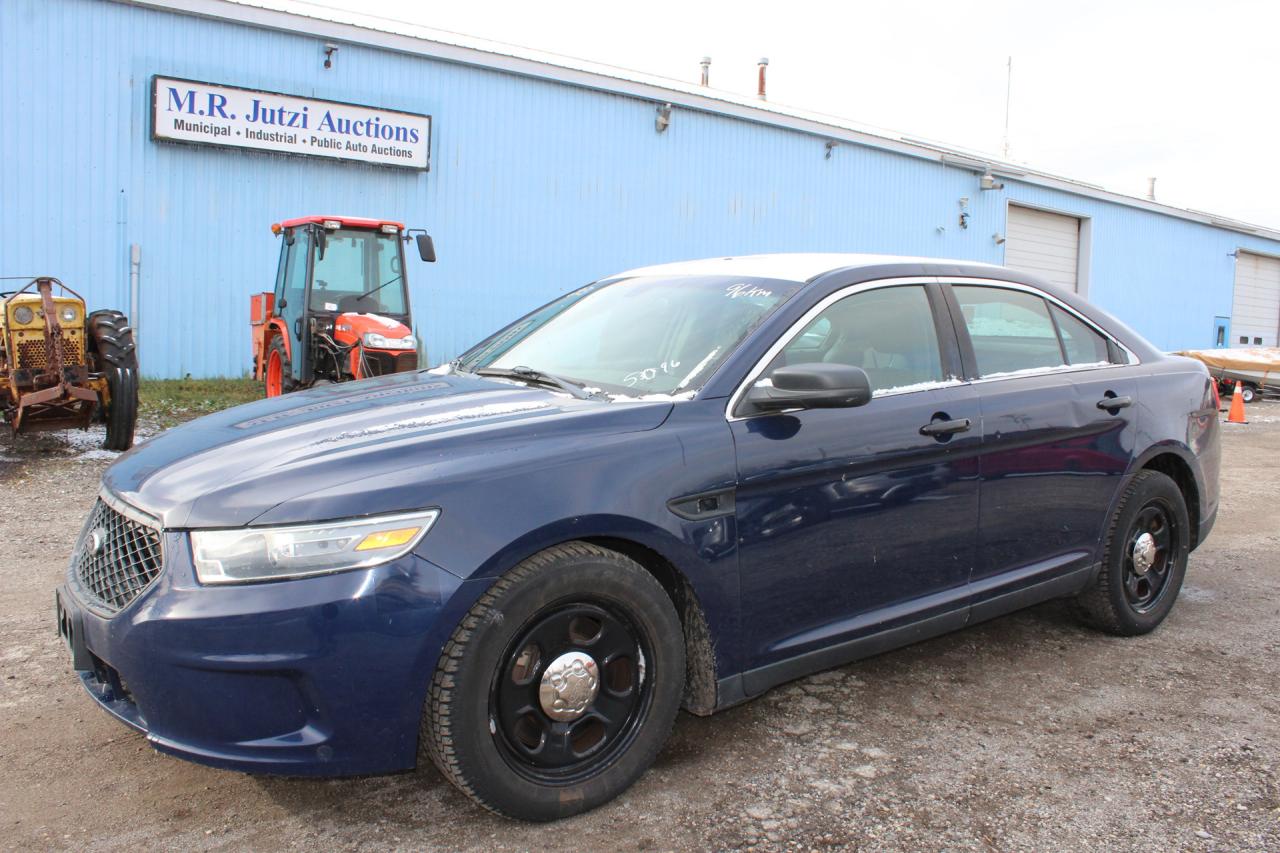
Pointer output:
x,y
1236,415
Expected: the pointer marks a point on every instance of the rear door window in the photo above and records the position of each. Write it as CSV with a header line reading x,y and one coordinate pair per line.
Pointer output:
x,y
1011,330
1081,344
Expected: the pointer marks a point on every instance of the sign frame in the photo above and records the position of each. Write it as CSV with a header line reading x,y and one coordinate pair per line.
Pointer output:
x,y
157,137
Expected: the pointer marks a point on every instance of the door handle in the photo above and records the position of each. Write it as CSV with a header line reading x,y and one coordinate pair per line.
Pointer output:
x,y
1115,402
939,428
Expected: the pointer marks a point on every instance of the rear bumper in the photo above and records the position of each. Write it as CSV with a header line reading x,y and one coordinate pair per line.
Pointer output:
x,y
322,676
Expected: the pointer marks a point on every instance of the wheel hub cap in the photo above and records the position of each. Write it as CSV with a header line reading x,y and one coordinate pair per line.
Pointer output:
x,y
569,686
1144,553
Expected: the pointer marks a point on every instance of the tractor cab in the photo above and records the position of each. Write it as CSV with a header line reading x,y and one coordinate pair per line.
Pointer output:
x,y
340,307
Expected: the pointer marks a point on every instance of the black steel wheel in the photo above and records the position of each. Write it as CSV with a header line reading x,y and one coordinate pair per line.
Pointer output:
x,y
559,687
1145,558
571,691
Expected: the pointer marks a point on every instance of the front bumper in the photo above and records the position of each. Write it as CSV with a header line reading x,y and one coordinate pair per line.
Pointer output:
x,y
316,676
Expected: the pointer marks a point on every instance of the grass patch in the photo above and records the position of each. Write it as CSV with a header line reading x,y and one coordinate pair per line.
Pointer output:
x,y
167,402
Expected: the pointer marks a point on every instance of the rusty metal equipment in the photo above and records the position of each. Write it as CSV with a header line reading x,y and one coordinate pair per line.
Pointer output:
x,y
61,368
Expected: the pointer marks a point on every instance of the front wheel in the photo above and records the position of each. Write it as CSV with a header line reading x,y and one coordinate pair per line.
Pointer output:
x,y
1144,561
559,687
278,372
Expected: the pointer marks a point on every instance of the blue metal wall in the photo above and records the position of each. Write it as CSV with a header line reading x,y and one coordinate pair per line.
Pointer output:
x,y
535,188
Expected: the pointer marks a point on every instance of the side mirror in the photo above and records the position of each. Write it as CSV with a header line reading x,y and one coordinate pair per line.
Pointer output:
x,y
812,386
426,249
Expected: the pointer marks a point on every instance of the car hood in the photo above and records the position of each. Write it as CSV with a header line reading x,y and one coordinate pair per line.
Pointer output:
x,y
230,468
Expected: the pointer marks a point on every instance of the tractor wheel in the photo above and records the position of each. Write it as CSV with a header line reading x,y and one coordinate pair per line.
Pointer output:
x,y
111,341
278,372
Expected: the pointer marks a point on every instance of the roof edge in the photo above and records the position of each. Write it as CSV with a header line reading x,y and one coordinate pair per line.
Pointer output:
x,y
418,40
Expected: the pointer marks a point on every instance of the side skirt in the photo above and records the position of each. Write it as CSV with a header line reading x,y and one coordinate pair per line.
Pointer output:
x,y
740,687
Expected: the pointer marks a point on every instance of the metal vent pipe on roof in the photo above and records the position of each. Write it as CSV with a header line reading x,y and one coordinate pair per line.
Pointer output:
x,y
706,70
1151,188
763,64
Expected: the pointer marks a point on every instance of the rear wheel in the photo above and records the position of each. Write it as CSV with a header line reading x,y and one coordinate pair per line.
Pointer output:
x,y
111,342
559,687
279,374
1144,561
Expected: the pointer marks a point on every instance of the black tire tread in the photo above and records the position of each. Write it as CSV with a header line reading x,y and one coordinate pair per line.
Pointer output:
x,y
1095,605
111,340
287,382
437,724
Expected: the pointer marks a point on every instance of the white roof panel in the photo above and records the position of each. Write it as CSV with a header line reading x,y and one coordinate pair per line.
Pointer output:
x,y
785,266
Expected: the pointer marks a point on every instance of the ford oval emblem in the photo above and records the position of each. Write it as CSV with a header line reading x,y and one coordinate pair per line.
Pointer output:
x,y
97,541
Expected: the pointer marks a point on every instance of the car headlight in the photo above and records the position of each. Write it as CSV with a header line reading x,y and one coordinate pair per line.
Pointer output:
x,y
377,341
22,315
248,554
67,314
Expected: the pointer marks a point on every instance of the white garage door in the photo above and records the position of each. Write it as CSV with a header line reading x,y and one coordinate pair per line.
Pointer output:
x,y
1044,243
1255,307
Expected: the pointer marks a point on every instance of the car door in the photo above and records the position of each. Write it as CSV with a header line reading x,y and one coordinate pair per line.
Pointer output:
x,y
855,522
1054,452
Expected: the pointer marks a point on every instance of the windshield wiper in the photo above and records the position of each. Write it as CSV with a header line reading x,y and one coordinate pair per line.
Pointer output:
x,y
542,378
379,287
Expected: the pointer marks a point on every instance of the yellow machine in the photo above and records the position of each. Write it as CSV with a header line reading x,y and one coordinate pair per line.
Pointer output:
x,y
61,368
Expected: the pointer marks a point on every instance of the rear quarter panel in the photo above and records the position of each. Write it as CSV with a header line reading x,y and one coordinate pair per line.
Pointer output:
x,y
1179,416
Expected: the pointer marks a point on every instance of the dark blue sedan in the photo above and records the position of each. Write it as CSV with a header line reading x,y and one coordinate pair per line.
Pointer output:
x,y
675,487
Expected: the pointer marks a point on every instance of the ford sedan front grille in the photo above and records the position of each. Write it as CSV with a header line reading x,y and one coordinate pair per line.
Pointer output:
x,y
116,558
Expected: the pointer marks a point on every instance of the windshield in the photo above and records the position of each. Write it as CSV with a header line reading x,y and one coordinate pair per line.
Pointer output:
x,y
647,335
356,262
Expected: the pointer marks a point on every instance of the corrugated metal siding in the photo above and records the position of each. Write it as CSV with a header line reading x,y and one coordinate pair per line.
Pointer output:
x,y
535,187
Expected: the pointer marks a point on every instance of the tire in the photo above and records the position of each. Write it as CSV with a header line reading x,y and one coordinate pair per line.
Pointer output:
x,y
112,345
278,378
487,724
1248,393
1125,600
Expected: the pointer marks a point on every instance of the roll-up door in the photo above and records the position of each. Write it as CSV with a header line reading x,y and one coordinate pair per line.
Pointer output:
x,y
1045,243
1255,305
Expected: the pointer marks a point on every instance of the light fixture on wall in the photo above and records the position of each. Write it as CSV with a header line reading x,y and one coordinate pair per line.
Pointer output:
x,y
998,237
329,51
831,146
989,182
964,212
663,121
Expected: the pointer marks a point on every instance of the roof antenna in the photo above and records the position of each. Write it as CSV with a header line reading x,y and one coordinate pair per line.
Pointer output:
x,y
1008,90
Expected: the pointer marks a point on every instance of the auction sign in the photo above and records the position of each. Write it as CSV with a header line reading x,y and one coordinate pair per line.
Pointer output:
x,y
210,114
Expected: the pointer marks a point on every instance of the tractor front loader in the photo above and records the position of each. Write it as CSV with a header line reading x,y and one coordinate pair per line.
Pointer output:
x,y
61,368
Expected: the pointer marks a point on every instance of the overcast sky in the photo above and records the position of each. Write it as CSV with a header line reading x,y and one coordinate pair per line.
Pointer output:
x,y
1106,92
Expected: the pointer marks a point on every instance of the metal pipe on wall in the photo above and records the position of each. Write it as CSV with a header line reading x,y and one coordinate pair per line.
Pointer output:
x,y
135,264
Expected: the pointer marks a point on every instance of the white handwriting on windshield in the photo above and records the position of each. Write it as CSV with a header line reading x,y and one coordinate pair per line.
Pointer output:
x,y
733,291
649,373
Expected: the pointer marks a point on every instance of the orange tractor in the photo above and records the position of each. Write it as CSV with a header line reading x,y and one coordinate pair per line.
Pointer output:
x,y
340,308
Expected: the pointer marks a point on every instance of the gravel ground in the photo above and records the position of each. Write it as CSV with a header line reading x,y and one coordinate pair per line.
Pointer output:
x,y
1028,732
